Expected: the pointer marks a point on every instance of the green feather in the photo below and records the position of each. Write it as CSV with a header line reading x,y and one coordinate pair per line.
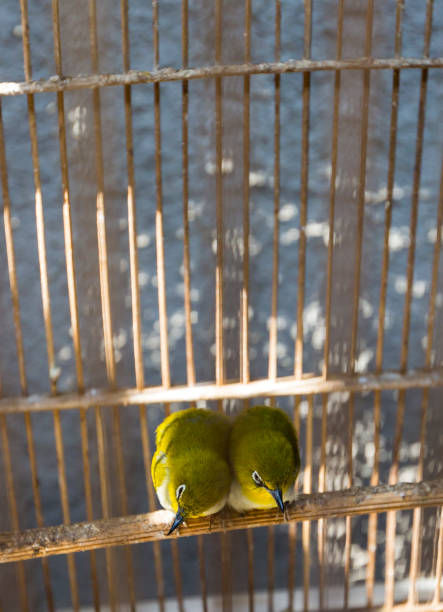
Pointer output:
x,y
263,439
192,449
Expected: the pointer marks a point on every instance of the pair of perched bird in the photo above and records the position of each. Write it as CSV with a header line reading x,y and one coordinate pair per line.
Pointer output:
x,y
203,462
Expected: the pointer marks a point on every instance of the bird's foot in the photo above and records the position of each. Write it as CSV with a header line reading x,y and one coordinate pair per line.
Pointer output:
x,y
286,511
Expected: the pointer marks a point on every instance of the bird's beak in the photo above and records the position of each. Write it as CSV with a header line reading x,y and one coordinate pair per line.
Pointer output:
x,y
179,518
278,496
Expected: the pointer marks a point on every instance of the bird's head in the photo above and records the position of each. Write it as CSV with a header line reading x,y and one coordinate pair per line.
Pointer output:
x,y
269,467
199,483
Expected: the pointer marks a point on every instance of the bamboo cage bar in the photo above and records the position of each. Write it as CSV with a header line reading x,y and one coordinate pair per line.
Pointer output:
x,y
439,564
135,296
218,118
44,286
225,541
273,329
307,489
417,521
387,380
12,274
321,525
366,85
62,539
13,511
304,176
135,302
135,77
100,186
372,525
190,363
301,282
72,295
244,303
393,475
161,276
273,333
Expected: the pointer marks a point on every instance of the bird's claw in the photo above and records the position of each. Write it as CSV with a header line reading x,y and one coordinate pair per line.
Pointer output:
x,y
286,512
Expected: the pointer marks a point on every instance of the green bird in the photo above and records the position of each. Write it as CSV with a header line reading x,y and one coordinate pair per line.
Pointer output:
x,y
190,468
264,459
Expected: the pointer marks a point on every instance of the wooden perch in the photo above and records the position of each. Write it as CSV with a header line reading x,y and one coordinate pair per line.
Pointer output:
x,y
134,77
64,539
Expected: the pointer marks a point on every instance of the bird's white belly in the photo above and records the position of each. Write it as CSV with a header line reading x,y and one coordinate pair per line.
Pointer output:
x,y
216,507
162,491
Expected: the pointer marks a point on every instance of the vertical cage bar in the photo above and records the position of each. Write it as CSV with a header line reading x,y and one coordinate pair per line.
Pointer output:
x,y
272,364
417,520
292,529
10,255
439,565
415,192
40,225
13,511
273,330
161,276
244,315
104,292
303,191
270,567
72,291
307,488
46,302
159,234
202,572
292,532
106,510
418,514
362,185
332,188
219,340
373,518
12,273
88,501
393,476
135,291
321,525
135,298
298,357
190,365
357,277
219,362
244,356
61,470
147,456
107,316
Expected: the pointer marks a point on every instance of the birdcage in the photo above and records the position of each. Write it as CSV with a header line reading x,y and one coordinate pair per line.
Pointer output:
x,y
243,206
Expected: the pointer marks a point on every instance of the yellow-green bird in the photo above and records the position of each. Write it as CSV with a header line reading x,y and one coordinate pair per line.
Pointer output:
x,y
264,459
190,468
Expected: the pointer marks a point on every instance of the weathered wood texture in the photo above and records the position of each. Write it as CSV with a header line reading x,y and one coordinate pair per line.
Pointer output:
x,y
153,526
290,385
134,77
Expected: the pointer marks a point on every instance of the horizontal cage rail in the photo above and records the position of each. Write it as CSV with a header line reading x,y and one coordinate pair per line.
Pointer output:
x,y
135,77
291,385
153,526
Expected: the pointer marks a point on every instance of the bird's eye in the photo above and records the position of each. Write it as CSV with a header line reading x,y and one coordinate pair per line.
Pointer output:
x,y
256,478
180,490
